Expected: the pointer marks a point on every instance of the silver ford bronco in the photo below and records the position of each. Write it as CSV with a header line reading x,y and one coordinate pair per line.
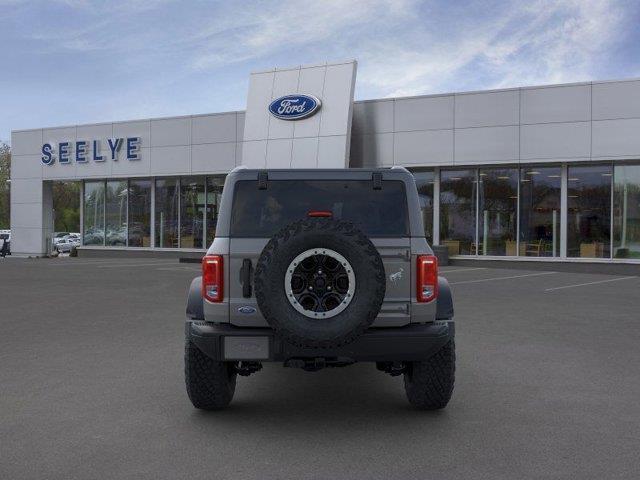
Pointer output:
x,y
319,268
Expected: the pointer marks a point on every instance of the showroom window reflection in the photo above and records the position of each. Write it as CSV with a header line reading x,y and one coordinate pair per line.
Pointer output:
x,y
498,208
458,211
519,214
626,212
139,211
589,211
116,213
167,212
119,212
93,208
424,183
498,211
192,212
214,196
540,199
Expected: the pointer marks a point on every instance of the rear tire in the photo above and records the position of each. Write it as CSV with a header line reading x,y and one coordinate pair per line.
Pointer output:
x,y
429,384
210,384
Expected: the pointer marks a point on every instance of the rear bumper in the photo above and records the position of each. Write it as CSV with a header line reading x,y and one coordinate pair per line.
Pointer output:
x,y
410,343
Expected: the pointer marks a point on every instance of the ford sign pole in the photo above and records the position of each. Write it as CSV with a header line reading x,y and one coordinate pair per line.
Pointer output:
x,y
294,107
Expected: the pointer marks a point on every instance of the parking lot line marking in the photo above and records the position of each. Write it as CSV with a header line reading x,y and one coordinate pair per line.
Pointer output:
x,y
120,265
503,278
66,263
463,269
588,283
173,269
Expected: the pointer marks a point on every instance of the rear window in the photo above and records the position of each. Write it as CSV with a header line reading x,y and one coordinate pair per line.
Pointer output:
x,y
261,213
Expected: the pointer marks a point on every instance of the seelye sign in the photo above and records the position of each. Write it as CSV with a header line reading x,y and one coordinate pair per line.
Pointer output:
x,y
294,107
82,151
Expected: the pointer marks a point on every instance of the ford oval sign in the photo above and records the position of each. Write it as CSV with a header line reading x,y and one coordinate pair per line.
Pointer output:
x,y
247,309
294,107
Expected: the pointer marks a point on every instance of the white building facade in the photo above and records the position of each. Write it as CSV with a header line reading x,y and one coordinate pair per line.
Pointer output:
x,y
536,173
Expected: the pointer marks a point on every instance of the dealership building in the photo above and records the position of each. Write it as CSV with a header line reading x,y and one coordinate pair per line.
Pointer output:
x,y
535,173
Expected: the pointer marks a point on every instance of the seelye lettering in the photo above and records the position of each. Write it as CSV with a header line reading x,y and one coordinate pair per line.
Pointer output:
x,y
82,150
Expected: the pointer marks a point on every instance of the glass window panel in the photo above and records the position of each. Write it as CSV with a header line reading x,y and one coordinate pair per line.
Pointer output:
x,y
167,198
214,195
93,213
424,183
540,193
262,212
498,211
116,213
589,211
139,213
192,210
458,211
626,204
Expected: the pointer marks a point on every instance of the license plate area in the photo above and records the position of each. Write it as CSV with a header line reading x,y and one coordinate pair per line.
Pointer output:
x,y
246,348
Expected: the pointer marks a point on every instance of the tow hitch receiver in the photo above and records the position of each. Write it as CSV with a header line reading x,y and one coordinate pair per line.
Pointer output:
x,y
244,369
318,363
392,368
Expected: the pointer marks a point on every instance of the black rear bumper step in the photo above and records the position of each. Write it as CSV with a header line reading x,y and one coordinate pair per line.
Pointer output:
x,y
409,343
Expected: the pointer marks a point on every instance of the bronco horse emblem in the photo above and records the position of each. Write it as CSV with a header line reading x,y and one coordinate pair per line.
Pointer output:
x,y
394,277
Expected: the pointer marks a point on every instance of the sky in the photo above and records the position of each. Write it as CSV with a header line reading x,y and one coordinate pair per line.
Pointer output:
x,y
65,62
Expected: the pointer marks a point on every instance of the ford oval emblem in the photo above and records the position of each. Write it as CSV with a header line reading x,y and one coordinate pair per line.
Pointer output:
x,y
294,107
246,310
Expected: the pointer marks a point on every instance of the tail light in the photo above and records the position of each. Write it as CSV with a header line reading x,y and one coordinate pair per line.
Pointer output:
x,y
320,213
212,278
427,278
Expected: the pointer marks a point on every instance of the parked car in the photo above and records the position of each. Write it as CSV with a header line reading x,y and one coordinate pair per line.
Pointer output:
x,y
94,236
57,236
117,236
5,242
66,244
320,268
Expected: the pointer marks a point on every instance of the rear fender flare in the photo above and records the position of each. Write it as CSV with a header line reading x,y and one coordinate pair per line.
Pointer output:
x,y
445,300
195,307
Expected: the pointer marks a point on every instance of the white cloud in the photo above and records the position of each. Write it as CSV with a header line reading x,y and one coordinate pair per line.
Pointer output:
x,y
254,32
130,59
547,42
404,47
566,49
409,48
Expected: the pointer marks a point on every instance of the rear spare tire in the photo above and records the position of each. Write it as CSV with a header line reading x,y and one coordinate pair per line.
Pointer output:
x,y
320,283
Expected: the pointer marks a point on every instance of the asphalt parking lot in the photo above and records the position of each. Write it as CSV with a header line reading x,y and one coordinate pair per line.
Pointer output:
x,y
91,385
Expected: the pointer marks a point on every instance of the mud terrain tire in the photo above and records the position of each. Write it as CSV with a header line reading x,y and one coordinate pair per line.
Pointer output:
x,y
210,384
276,259
429,384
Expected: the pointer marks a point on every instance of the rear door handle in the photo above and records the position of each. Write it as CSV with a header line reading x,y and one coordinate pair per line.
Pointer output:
x,y
245,277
